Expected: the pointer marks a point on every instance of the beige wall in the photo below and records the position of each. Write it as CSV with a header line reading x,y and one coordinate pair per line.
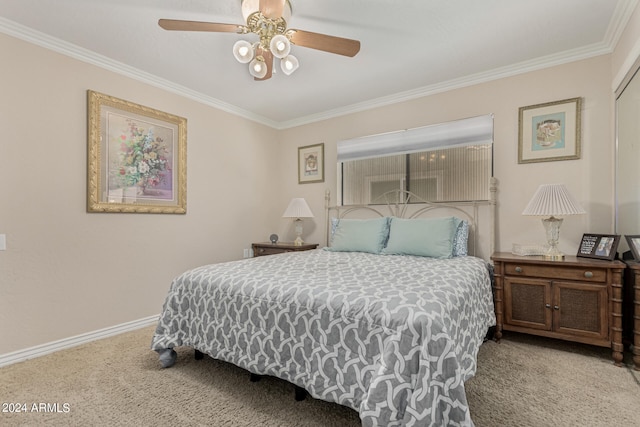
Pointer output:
x,y
67,272
590,178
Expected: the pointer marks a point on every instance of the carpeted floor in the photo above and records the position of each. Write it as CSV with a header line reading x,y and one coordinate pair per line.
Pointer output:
x,y
522,381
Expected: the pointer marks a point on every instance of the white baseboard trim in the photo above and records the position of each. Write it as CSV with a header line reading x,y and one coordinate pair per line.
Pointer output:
x,y
63,344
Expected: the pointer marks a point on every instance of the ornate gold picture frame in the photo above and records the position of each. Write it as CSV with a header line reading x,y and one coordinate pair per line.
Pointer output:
x,y
136,158
311,164
550,131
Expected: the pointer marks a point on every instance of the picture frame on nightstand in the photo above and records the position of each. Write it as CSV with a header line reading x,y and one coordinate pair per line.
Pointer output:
x,y
634,246
599,246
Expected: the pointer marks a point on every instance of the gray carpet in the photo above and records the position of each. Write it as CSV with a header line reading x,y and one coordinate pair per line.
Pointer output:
x,y
522,381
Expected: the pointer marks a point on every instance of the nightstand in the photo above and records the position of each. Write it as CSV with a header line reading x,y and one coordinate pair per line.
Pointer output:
x,y
575,299
268,248
632,308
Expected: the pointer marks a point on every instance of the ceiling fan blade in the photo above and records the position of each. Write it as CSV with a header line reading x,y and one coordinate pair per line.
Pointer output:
x,y
331,44
268,59
272,9
178,25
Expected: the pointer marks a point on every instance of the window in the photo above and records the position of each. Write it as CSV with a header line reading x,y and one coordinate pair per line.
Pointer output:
x,y
440,163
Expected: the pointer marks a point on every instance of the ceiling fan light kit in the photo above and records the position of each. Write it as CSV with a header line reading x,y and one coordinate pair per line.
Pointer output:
x,y
268,19
258,68
243,51
280,46
289,64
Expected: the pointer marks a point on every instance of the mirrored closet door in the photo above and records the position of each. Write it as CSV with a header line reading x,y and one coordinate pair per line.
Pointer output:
x,y
628,157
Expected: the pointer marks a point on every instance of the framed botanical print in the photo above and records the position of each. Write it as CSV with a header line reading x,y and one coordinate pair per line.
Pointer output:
x,y
550,132
311,164
136,158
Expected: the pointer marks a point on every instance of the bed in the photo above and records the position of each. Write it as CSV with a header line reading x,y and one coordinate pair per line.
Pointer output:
x,y
373,321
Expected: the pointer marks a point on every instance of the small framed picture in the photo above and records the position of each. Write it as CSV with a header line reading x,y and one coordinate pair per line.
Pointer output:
x,y
634,246
602,246
550,132
311,164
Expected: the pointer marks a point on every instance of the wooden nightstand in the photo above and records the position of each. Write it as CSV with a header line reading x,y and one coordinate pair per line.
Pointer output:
x,y
576,299
632,308
268,248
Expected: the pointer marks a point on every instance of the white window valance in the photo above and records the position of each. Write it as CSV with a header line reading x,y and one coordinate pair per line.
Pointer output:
x,y
471,131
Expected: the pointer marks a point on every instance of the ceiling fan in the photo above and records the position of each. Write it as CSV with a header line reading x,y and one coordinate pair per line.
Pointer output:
x,y
268,19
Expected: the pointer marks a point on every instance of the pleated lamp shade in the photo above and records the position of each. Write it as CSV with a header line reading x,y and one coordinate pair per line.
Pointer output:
x,y
553,200
298,208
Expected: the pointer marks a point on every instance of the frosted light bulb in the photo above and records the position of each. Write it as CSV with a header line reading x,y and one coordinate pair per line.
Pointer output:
x,y
289,64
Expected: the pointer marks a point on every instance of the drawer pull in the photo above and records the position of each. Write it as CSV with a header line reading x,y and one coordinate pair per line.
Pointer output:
x,y
518,269
555,307
261,250
547,305
588,274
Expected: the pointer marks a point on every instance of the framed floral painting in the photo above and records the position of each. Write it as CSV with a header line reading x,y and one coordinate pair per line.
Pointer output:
x,y
136,158
311,164
549,132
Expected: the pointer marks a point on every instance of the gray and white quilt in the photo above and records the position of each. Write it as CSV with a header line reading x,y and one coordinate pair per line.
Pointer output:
x,y
393,337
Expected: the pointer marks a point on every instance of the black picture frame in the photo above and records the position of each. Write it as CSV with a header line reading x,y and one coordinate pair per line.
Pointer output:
x,y
634,245
600,246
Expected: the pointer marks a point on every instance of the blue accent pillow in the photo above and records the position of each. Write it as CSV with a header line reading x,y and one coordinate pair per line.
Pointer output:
x,y
461,239
360,235
428,237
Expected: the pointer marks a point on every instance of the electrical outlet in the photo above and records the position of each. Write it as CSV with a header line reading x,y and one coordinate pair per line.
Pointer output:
x,y
3,242
245,253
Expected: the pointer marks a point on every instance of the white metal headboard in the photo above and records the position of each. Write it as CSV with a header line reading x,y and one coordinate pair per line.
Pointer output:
x,y
480,215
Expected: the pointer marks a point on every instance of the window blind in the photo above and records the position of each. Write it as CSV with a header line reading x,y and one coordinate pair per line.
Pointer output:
x,y
472,131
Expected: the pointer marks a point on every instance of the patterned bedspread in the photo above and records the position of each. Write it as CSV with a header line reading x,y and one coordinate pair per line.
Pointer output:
x,y
393,337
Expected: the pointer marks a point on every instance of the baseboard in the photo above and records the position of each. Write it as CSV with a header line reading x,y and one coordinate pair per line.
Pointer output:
x,y
41,350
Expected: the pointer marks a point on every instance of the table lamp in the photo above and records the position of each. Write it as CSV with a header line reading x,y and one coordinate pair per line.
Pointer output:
x,y
553,200
298,209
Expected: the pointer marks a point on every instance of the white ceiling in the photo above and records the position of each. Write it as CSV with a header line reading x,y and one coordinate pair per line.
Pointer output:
x,y
409,48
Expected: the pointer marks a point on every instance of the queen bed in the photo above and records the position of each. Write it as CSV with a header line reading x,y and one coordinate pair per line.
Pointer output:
x,y
387,319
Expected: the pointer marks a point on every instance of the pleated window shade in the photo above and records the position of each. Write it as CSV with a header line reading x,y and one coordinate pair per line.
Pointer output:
x,y
445,162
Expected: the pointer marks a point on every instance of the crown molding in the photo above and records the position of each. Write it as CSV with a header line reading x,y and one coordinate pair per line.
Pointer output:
x,y
560,58
56,45
620,18
630,62
617,24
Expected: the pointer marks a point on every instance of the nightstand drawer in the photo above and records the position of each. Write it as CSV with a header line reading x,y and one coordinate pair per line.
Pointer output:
x,y
263,250
561,272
